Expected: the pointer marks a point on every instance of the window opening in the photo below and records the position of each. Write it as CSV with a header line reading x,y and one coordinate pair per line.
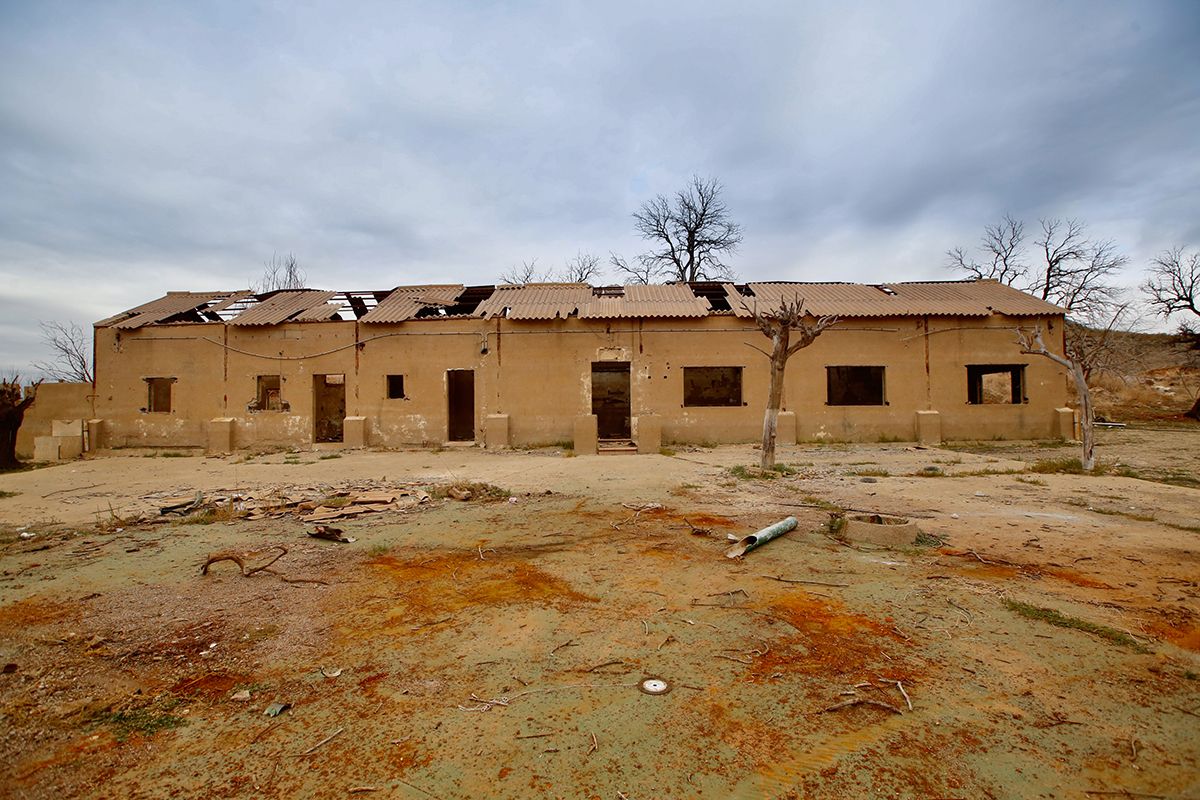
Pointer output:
x,y
395,387
159,395
267,396
854,386
712,386
989,384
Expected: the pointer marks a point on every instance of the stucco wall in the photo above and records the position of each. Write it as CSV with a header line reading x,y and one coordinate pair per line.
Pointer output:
x,y
54,401
539,373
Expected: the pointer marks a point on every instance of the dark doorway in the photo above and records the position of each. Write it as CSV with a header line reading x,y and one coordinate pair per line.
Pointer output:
x,y
329,407
460,391
610,399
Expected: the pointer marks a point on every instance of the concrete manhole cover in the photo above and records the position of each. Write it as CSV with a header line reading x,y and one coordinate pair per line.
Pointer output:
x,y
654,686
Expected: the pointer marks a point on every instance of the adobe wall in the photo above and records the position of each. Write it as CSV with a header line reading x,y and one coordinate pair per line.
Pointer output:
x,y
63,401
539,374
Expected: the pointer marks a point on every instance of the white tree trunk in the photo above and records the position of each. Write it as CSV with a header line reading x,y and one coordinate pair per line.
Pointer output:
x,y
1087,417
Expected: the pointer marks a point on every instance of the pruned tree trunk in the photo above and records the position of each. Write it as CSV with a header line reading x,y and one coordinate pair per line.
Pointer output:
x,y
777,324
1032,344
779,356
1087,417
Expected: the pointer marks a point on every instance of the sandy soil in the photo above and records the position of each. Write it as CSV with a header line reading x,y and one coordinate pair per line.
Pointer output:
x,y
494,648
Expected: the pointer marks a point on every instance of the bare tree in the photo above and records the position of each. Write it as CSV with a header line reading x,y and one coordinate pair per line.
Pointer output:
x,y
1031,344
1072,271
581,268
691,233
1003,243
525,272
1174,287
777,324
1174,283
637,271
280,273
13,403
72,353
1097,342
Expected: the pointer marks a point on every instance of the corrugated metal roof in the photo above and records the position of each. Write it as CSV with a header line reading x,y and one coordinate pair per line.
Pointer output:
x,y
545,301
163,308
536,301
281,307
944,298
648,302
405,301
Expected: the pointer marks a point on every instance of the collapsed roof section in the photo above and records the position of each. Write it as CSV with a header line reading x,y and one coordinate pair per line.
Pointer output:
x,y
549,301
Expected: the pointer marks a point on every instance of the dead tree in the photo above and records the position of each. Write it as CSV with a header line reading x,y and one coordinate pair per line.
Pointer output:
x,y
1072,270
636,271
280,273
525,272
691,235
72,353
581,268
12,414
1174,288
777,325
1031,344
1003,244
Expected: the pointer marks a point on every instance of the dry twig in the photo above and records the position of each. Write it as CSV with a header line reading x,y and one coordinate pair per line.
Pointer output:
x,y
321,743
798,580
860,701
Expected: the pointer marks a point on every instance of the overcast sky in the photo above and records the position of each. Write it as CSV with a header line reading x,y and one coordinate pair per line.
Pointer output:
x,y
146,147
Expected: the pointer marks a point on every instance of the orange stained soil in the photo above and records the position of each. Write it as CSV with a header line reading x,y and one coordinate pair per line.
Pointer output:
x,y
211,686
68,753
1071,576
1179,626
406,755
448,582
740,731
826,641
35,610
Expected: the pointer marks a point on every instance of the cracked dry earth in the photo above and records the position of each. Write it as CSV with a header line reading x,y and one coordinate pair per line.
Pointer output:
x,y
495,648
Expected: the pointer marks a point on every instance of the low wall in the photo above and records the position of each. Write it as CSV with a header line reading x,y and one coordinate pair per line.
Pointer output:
x,y
54,401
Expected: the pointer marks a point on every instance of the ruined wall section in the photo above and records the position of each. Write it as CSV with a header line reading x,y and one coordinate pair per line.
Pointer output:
x,y
539,373
420,351
189,356
55,401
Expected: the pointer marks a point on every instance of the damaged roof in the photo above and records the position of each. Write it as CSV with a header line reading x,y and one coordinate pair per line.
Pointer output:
x,y
548,301
977,298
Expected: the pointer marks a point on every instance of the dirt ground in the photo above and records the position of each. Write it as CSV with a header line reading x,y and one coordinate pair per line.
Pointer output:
x,y
494,647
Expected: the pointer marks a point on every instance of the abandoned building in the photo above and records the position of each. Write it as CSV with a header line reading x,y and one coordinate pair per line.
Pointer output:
x,y
539,364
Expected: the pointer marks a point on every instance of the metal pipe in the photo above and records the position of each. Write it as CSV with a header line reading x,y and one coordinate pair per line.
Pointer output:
x,y
762,537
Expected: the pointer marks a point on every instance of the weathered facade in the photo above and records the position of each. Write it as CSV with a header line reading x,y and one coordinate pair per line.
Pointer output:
x,y
546,363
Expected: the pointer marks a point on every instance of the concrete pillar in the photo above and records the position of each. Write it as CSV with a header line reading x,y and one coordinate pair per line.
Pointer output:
x,y
649,433
495,431
586,435
95,434
354,432
220,435
929,427
785,433
45,448
1064,424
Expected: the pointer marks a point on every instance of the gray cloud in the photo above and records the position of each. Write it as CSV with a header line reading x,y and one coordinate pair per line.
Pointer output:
x,y
147,147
